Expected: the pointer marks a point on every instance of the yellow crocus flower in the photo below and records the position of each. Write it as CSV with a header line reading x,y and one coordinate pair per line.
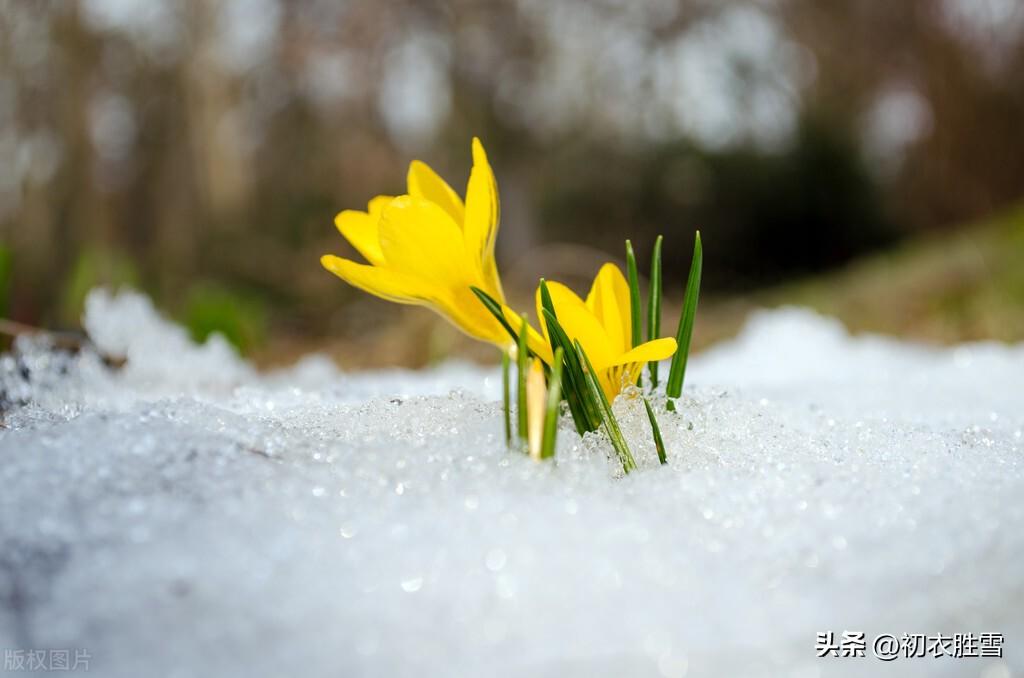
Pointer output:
x,y
428,247
603,326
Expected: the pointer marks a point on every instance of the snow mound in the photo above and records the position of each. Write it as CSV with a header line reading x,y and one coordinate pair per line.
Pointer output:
x,y
185,515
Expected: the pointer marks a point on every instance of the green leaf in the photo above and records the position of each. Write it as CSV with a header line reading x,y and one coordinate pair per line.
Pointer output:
x,y
659,444
677,371
611,425
654,308
523,363
547,448
495,308
505,400
634,295
573,384
587,416
584,412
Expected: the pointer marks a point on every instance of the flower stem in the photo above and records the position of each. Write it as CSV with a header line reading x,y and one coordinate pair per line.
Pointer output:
x,y
547,449
506,404
522,363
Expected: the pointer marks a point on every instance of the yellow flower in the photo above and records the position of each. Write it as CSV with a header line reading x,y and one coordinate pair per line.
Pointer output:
x,y
603,326
428,247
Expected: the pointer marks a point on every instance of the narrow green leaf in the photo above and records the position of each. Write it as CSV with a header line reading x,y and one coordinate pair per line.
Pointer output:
x,y
495,308
579,418
654,308
589,411
572,393
677,372
611,426
634,296
583,410
505,401
659,444
577,395
522,363
547,447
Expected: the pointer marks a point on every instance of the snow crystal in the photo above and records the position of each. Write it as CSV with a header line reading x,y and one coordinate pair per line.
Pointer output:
x,y
182,514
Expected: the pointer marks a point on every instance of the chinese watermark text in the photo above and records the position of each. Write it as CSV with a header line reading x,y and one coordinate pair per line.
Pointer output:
x,y
888,647
65,659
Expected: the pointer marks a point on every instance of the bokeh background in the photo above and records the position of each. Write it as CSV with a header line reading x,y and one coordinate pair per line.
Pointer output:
x,y
865,158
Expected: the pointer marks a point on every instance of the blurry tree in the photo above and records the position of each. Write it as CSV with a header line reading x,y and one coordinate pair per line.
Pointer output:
x,y
211,142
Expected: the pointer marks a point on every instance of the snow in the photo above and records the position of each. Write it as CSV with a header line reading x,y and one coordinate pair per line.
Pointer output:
x,y
187,515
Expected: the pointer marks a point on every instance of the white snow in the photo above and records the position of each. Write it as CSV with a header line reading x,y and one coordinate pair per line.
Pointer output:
x,y
185,515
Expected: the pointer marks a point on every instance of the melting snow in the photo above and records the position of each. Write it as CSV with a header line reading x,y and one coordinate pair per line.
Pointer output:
x,y
186,515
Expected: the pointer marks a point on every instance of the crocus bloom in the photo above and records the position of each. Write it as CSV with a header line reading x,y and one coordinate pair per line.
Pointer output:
x,y
603,326
428,247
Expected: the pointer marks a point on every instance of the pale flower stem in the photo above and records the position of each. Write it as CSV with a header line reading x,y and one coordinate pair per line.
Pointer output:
x,y
522,362
505,402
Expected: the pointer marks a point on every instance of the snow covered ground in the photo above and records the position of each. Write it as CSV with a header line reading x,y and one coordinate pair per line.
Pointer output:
x,y
185,515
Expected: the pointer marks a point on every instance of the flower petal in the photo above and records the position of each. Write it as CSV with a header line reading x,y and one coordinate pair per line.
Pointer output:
x,y
625,369
380,282
659,349
425,183
482,215
579,324
459,307
360,229
376,205
419,239
537,342
466,312
609,301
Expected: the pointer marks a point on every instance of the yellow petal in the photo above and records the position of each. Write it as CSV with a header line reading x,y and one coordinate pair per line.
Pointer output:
x,y
491,279
609,301
615,379
481,225
536,399
579,324
381,282
462,308
611,381
457,307
425,183
625,368
360,229
537,342
376,205
659,349
420,240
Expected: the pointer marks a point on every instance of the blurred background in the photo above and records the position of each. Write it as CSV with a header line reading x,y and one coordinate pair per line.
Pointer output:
x,y
864,158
